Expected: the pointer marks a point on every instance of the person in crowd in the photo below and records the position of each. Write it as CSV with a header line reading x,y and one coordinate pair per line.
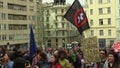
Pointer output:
x,y
104,62
3,57
79,58
62,59
69,57
10,61
49,54
19,63
113,61
43,62
54,63
56,52
35,59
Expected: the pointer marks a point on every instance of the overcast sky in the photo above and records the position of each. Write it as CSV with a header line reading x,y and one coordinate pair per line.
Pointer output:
x,y
68,1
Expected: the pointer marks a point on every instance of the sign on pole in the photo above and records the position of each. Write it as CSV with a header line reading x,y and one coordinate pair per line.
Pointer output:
x,y
90,50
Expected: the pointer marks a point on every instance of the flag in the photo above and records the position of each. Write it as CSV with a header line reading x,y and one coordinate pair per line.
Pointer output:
x,y
77,16
32,42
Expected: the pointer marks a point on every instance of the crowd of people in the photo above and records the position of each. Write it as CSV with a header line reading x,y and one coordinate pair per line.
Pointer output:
x,y
56,58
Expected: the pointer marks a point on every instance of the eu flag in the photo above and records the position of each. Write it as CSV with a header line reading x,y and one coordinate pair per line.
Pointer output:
x,y
77,16
32,42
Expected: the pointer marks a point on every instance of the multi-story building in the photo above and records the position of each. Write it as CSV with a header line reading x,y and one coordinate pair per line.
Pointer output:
x,y
15,18
58,32
104,20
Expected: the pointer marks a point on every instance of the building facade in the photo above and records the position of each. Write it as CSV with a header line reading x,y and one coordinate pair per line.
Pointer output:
x,y
104,21
15,18
58,31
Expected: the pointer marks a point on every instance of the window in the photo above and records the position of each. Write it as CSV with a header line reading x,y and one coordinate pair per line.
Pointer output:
x,y
91,1
47,19
49,43
1,4
2,26
31,17
100,1
100,21
100,11
56,25
17,17
62,18
109,32
108,10
56,40
17,7
92,32
62,10
102,43
91,22
91,11
55,11
47,26
111,42
63,33
11,37
48,12
56,18
31,8
48,33
17,26
56,33
109,21
63,25
3,37
101,32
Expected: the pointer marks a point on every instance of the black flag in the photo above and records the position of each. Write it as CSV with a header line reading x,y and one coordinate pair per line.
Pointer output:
x,y
77,16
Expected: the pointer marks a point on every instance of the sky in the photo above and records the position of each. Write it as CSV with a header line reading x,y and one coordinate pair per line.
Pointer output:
x,y
67,1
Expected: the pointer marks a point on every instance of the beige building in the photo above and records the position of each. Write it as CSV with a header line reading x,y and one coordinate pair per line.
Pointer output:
x,y
104,20
58,32
15,18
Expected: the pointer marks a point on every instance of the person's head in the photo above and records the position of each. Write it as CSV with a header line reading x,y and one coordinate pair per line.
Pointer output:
x,y
103,53
54,59
43,56
112,57
62,54
56,52
19,63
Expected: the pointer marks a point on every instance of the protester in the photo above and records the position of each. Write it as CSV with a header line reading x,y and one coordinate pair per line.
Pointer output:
x,y
69,57
62,59
10,61
43,62
54,63
104,62
49,54
3,57
19,63
35,59
113,61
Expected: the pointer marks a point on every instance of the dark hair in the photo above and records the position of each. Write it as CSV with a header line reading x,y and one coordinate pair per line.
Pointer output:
x,y
114,55
19,63
56,59
62,52
43,56
104,50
